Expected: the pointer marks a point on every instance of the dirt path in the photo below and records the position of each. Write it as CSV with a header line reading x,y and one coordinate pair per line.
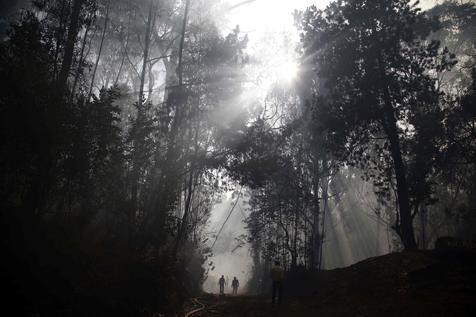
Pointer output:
x,y
196,311
235,306
435,304
395,285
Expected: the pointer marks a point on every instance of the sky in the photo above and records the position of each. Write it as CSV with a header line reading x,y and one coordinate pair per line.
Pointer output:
x,y
272,36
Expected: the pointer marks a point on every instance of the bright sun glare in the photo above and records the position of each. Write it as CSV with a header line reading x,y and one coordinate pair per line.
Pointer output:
x,y
272,34
287,71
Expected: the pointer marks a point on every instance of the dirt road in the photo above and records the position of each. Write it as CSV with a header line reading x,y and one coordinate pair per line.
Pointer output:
x,y
400,284
236,306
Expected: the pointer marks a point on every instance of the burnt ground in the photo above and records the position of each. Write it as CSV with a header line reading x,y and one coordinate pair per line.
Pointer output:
x,y
400,284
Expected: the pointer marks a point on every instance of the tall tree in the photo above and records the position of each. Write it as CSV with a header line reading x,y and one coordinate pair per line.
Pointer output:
x,y
98,57
73,29
374,67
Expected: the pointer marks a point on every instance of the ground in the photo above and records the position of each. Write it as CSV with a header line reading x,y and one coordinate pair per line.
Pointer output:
x,y
400,284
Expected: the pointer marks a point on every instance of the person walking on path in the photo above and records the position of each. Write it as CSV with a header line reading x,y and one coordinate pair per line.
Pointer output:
x,y
221,283
277,275
235,284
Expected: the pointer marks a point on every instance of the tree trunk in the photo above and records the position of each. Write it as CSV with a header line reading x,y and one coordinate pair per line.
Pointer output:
x,y
81,60
405,227
106,19
59,36
138,139
295,239
69,47
423,228
315,236
123,58
160,202
325,196
178,96
146,51
124,51
182,40
181,235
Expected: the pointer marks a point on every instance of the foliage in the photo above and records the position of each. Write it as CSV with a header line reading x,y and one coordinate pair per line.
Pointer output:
x,y
378,101
105,191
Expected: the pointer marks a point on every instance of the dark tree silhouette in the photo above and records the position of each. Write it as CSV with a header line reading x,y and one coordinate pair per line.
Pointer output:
x,y
374,69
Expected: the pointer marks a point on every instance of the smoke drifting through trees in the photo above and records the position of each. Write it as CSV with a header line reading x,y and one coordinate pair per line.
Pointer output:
x,y
108,165
125,122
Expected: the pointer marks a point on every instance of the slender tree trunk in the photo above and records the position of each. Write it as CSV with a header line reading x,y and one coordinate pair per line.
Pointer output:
x,y
182,40
377,242
69,47
124,52
81,60
295,238
106,19
139,138
161,202
179,94
315,236
146,51
136,155
405,227
59,36
286,245
182,234
151,81
423,228
296,217
325,197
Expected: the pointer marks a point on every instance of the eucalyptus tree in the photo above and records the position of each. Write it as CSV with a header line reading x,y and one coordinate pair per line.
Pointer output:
x,y
70,43
375,73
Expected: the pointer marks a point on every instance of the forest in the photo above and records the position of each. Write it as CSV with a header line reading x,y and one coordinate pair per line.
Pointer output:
x,y
125,122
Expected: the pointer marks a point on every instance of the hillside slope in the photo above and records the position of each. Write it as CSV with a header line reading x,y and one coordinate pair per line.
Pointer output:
x,y
399,284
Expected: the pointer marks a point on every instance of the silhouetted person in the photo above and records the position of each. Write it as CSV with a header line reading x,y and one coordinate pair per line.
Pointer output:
x,y
221,283
277,274
235,284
